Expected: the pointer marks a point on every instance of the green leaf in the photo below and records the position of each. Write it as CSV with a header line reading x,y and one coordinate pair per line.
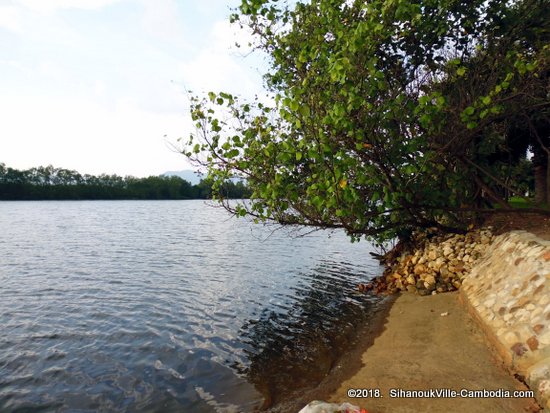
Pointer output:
x,y
530,66
469,110
367,94
232,153
424,99
305,110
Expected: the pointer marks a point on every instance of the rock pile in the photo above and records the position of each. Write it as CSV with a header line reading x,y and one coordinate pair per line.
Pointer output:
x,y
437,264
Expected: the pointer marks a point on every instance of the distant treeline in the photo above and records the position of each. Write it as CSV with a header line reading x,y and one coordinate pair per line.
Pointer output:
x,y
49,183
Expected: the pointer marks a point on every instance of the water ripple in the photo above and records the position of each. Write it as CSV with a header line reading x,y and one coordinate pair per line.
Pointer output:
x,y
165,306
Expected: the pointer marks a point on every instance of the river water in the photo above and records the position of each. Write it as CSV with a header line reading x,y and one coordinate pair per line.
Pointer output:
x,y
167,306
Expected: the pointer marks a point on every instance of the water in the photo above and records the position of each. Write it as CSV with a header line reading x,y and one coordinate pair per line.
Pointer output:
x,y
166,306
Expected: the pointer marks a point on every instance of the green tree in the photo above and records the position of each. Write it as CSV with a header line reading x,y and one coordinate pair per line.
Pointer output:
x,y
383,114
58,183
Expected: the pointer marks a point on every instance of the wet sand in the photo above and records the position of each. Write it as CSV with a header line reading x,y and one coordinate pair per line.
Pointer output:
x,y
418,348
345,366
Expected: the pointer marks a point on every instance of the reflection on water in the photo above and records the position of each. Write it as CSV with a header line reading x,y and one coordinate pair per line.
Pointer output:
x,y
295,348
167,306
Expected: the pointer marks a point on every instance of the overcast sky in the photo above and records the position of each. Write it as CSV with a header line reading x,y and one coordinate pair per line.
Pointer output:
x,y
98,85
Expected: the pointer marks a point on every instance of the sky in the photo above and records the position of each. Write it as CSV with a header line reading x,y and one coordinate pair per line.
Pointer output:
x,y
98,86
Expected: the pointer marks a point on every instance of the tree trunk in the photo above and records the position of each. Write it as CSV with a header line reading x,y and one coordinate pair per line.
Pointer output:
x,y
540,184
540,166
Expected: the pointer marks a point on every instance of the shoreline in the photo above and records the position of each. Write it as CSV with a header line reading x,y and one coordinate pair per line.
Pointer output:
x,y
454,340
345,366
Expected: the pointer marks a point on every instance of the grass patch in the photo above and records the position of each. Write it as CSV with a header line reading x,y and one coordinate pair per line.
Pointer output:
x,y
517,202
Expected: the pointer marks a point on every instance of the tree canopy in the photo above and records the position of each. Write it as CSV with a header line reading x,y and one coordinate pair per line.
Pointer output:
x,y
384,116
49,183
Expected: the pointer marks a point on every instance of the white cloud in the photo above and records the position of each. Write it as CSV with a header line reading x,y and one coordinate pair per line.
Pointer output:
x,y
50,6
81,135
213,7
49,68
221,66
10,19
102,91
161,19
225,35
37,24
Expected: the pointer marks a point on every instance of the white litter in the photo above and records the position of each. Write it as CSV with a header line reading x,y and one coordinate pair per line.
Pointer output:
x,y
317,406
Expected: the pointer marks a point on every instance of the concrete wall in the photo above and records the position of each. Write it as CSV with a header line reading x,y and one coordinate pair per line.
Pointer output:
x,y
508,291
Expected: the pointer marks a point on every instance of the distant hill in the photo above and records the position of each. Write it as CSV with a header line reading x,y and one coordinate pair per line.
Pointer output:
x,y
190,176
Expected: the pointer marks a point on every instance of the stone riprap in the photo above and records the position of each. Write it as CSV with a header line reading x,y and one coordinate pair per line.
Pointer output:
x,y
437,264
508,291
